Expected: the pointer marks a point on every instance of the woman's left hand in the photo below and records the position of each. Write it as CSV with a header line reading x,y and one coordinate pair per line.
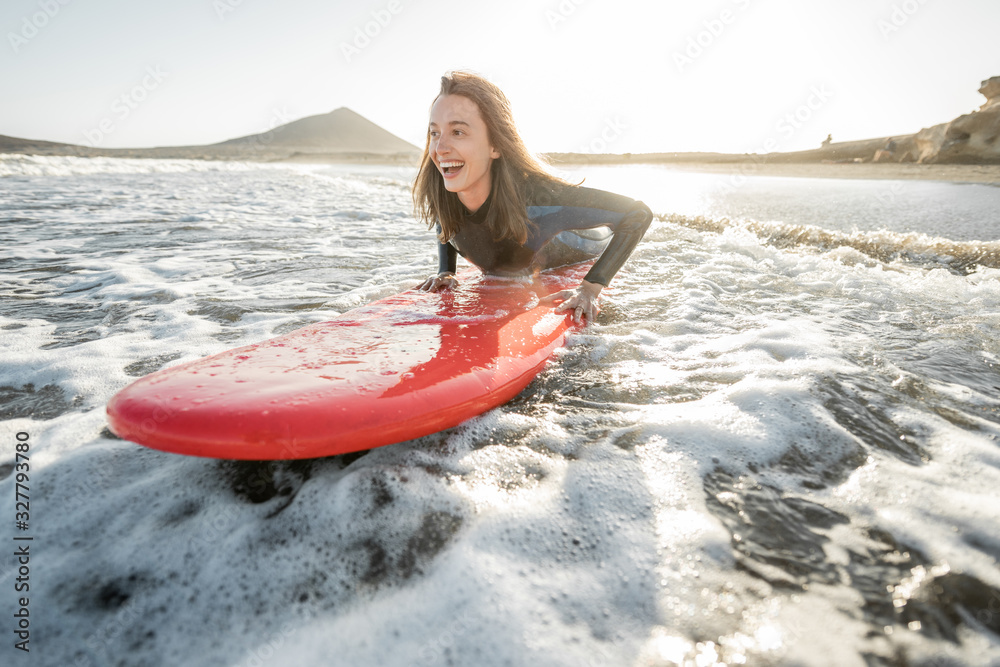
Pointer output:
x,y
581,302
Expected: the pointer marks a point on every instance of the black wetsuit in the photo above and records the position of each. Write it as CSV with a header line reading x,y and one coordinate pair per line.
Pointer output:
x,y
568,224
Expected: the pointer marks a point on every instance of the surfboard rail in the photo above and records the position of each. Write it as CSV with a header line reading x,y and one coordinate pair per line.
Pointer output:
x,y
399,368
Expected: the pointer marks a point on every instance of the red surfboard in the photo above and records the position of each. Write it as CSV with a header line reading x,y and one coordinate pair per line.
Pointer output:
x,y
396,369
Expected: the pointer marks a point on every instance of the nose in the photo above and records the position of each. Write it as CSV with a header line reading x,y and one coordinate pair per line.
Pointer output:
x,y
442,146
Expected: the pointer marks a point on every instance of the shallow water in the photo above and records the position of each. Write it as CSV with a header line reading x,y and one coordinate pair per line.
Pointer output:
x,y
778,444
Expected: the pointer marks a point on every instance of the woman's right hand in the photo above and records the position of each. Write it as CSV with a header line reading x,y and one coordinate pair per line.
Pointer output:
x,y
440,281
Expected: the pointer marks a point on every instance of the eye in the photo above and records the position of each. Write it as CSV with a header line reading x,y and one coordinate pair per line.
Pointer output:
x,y
434,133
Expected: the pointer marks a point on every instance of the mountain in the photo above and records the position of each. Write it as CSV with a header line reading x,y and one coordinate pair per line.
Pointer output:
x,y
341,135
340,131
30,146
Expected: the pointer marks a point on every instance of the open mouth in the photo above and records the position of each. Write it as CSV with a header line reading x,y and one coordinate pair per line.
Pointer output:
x,y
451,168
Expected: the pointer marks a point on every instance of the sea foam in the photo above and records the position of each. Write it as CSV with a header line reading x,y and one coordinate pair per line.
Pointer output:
x,y
776,444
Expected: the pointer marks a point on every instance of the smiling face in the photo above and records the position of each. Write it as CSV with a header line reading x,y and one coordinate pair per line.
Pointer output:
x,y
460,148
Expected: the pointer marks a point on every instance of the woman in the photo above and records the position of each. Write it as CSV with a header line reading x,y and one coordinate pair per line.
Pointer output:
x,y
494,204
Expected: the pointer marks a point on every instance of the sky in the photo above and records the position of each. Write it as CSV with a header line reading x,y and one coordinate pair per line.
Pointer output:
x,y
582,75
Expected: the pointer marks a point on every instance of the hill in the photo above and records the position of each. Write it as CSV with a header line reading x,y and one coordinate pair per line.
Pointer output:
x,y
340,131
339,136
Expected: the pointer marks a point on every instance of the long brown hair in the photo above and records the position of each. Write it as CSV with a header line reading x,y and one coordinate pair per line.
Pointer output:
x,y
509,173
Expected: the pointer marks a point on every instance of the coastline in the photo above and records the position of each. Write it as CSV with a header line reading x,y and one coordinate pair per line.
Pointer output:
x,y
745,165
988,174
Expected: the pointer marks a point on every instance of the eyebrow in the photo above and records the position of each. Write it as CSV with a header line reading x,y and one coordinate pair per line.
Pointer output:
x,y
452,122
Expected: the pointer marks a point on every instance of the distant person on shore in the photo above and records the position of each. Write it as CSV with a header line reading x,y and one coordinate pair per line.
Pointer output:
x,y
493,203
887,153
826,142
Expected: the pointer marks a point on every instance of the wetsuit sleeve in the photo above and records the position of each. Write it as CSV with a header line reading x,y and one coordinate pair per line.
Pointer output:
x,y
627,235
447,257
575,207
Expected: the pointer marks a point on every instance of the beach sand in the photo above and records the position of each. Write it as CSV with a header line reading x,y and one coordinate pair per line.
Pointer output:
x,y
958,173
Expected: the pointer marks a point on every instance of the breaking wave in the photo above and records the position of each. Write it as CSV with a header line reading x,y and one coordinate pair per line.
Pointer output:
x,y
962,257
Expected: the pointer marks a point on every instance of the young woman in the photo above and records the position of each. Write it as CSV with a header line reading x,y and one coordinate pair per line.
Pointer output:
x,y
494,204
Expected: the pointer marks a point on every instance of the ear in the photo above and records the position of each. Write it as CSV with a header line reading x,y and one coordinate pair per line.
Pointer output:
x,y
494,153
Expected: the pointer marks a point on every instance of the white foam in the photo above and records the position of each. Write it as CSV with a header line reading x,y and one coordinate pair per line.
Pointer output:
x,y
574,526
39,165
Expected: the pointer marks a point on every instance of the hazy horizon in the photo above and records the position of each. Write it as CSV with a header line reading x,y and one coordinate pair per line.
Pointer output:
x,y
735,77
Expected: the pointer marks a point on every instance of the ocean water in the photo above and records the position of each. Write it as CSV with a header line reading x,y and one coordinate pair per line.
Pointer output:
x,y
778,445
